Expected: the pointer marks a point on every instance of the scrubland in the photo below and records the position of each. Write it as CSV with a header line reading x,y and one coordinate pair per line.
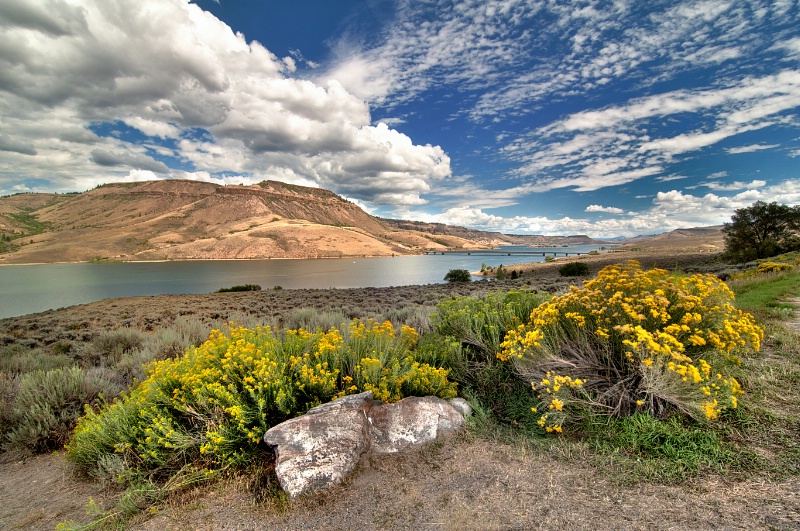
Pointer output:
x,y
668,406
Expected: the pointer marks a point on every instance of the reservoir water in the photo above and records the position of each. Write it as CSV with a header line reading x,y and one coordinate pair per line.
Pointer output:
x,y
28,289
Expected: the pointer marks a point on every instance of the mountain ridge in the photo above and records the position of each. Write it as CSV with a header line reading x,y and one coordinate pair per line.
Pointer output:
x,y
182,219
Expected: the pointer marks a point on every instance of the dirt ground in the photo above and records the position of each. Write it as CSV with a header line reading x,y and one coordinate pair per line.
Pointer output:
x,y
463,483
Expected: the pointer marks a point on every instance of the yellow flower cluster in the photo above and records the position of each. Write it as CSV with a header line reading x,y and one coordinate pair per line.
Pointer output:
x,y
647,320
774,267
555,391
390,382
519,341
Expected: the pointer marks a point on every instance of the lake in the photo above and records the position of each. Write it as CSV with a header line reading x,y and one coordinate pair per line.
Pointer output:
x,y
28,289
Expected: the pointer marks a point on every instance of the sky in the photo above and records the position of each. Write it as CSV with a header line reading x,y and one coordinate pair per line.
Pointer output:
x,y
605,118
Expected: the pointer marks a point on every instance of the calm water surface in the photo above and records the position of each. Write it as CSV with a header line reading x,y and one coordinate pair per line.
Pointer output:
x,y
35,288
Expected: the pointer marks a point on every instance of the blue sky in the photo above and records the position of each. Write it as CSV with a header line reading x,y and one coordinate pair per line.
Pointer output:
x,y
607,118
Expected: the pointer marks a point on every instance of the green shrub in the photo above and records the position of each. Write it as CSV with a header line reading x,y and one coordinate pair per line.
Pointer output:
x,y
49,403
18,360
313,319
481,323
458,275
574,269
215,402
9,388
243,287
468,332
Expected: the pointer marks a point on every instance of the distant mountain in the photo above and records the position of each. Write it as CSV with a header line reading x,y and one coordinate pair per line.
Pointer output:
x,y
180,219
489,238
713,232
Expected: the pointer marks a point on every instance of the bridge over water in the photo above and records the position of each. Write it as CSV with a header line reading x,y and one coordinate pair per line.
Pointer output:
x,y
494,252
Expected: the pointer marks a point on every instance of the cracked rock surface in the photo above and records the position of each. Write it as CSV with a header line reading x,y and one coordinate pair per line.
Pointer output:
x,y
321,448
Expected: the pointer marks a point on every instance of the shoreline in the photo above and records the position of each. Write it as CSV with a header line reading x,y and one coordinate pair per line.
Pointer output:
x,y
393,255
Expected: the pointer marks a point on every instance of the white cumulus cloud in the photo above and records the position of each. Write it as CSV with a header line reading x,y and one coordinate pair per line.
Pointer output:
x,y
174,72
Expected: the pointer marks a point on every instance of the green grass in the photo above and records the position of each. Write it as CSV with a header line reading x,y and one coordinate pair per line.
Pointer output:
x,y
767,296
29,224
641,447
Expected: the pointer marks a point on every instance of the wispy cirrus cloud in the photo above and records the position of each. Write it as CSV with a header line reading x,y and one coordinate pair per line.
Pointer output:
x,y
751,149
732,186
490,50
590,150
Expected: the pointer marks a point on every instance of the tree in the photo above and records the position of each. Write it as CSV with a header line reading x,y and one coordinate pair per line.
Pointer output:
x,y
574,269
762,230
458,275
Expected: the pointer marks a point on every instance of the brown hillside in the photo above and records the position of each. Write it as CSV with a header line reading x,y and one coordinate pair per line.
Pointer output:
x,y
177,219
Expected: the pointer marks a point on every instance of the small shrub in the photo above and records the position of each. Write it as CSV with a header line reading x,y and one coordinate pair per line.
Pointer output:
x,y
467,335
574,269
458,275
48,405
18,360
9,388
243,287
108,347
313,319
635,341
481,323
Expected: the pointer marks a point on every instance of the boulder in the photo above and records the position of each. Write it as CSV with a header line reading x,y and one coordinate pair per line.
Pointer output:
x,y
411,421
321,448
462,406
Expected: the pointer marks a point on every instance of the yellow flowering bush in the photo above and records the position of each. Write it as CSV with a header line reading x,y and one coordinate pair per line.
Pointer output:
x,y
774,267
632,340
217,400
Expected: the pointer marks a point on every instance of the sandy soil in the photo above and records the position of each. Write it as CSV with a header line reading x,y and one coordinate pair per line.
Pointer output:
x,y
464,483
